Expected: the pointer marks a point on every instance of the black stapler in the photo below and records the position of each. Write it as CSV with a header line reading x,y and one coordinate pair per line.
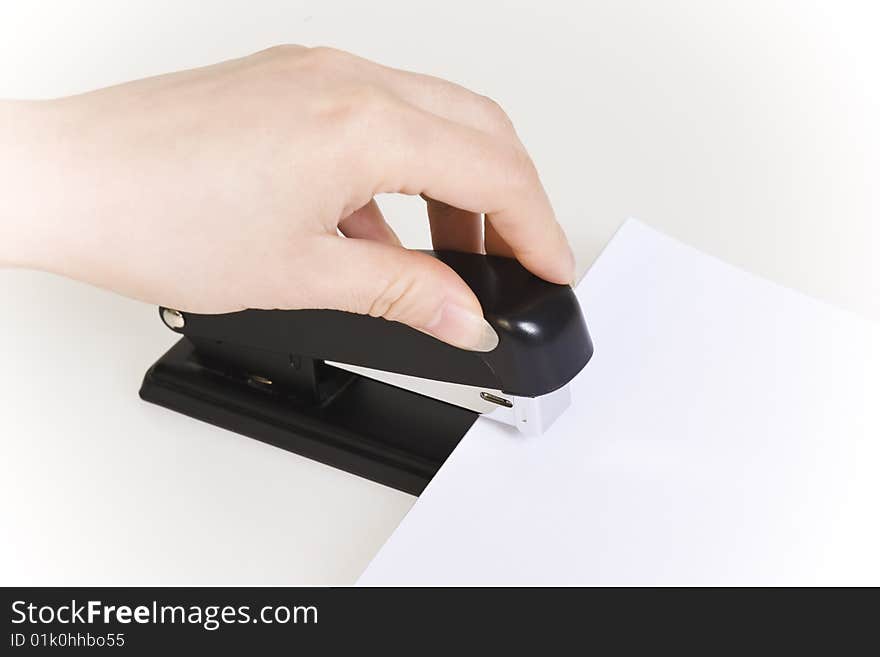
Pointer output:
x,y
370,396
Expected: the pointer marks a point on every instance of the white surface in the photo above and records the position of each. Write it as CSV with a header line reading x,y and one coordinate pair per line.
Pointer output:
x,y
726,431
747,129
98,487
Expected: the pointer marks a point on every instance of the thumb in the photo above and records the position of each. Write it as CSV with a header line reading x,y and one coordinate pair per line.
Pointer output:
x,y
383,280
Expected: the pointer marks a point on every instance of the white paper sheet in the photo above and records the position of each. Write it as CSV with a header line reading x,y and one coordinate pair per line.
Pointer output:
x,y
726,431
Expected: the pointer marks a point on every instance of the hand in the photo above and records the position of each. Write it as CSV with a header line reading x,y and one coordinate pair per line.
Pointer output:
x,y
250,184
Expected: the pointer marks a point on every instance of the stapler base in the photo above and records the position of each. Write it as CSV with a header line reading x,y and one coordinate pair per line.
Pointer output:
x,y
371,429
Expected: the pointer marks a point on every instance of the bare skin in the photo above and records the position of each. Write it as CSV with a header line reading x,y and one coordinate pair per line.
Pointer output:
x,y
250,184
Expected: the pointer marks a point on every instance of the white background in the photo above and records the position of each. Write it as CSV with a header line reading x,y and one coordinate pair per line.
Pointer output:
x,y
730,437
748,129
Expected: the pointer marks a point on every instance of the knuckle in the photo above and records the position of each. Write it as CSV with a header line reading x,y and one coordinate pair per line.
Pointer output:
x,y
409,294
370,101
494,113
390,301
317,60
324,57
282,51
523,172
355,121
363,111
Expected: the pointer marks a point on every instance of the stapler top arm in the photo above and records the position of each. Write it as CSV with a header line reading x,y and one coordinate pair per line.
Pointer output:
x,y
543,339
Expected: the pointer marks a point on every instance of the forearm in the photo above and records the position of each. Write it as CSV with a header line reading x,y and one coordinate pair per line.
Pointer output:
x,y
32,186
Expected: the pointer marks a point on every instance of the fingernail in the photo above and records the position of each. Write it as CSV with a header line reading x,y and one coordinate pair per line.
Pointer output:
x,y
463,328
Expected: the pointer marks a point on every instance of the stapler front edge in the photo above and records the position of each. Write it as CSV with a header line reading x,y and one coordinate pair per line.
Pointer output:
x,y
373,397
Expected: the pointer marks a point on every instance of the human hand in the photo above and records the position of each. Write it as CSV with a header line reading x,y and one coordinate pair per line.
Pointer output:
x,y
227,187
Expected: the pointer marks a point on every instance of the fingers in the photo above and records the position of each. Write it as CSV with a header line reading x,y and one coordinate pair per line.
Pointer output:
x,y
369,223
453,229
423,135
449,100
480,173
403,286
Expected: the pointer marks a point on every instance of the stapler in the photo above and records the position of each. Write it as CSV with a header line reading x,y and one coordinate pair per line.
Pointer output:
x,y
374,397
